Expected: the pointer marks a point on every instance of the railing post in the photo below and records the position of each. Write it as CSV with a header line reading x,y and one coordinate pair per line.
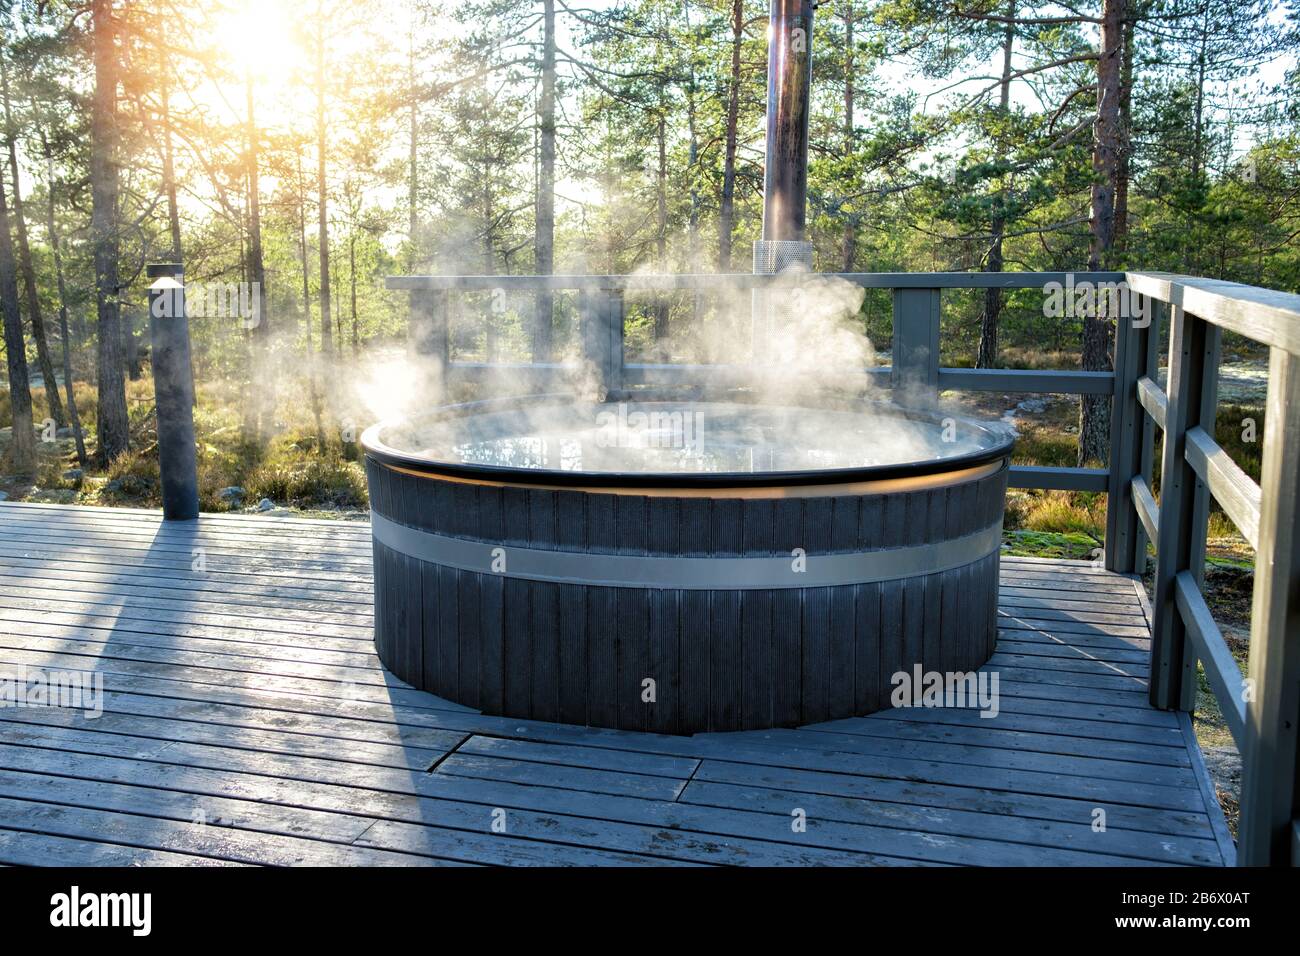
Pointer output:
x,y
543,322
427,337
173,388
614,305
1130,437
915,373
1270,801
1184,505
601,325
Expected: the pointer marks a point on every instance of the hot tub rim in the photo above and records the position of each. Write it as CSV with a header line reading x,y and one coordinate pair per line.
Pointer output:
x,y
374,448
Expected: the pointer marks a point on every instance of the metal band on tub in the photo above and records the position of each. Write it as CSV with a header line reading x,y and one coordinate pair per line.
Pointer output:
x,y
598,569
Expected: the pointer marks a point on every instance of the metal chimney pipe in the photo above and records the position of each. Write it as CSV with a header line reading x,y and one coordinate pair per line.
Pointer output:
x,y
785,178
789,81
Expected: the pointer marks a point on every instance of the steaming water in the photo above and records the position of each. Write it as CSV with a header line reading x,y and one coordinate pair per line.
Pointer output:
x,y
682,437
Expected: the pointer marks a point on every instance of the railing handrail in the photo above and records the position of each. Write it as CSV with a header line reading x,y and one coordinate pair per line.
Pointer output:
x,y
660,282
1263,315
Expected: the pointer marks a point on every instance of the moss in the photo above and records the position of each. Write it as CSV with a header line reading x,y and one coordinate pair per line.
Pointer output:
x,y
1041,544
132,479
310,483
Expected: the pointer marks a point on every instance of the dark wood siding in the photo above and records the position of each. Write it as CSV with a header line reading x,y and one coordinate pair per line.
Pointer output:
x,y
720,660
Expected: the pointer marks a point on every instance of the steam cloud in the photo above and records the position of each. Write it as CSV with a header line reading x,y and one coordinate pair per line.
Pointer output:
x,y
805,362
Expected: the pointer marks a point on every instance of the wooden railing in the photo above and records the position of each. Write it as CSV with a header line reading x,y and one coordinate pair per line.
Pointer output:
x,y
915,346
1262,711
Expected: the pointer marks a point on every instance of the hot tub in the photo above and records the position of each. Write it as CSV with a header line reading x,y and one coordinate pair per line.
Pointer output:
x,y
678,566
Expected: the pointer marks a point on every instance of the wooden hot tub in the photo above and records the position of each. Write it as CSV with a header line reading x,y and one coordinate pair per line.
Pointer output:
x,y
522,568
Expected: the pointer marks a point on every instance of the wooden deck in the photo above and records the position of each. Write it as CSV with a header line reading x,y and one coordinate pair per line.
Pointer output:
x,y
247,720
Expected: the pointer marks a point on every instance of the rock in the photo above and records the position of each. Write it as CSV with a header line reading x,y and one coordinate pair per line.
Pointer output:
x,y
232,493
266,504
64,432
73,474
1032,405
4,496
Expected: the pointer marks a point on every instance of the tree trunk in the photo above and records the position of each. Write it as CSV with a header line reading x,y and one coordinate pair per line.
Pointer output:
x,y
256,261
43,357
1108,134
662,307
248,393
692,170
169,171
338,316
1198,112
313,395
849,248
693,174
545,227
727,205
491,320
263,376
322,207
692,162
61,284
352,281
992,314
22,453
1126,133
112,425
338,325
302,248
1094,424
412,185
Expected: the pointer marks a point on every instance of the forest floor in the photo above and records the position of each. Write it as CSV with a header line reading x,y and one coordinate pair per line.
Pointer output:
x,y
289,472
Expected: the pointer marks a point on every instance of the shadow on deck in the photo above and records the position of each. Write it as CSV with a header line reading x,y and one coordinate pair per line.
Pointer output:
x,y
246,719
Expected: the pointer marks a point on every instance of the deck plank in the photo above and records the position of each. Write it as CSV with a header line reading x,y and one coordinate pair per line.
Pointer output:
x,y
249,692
